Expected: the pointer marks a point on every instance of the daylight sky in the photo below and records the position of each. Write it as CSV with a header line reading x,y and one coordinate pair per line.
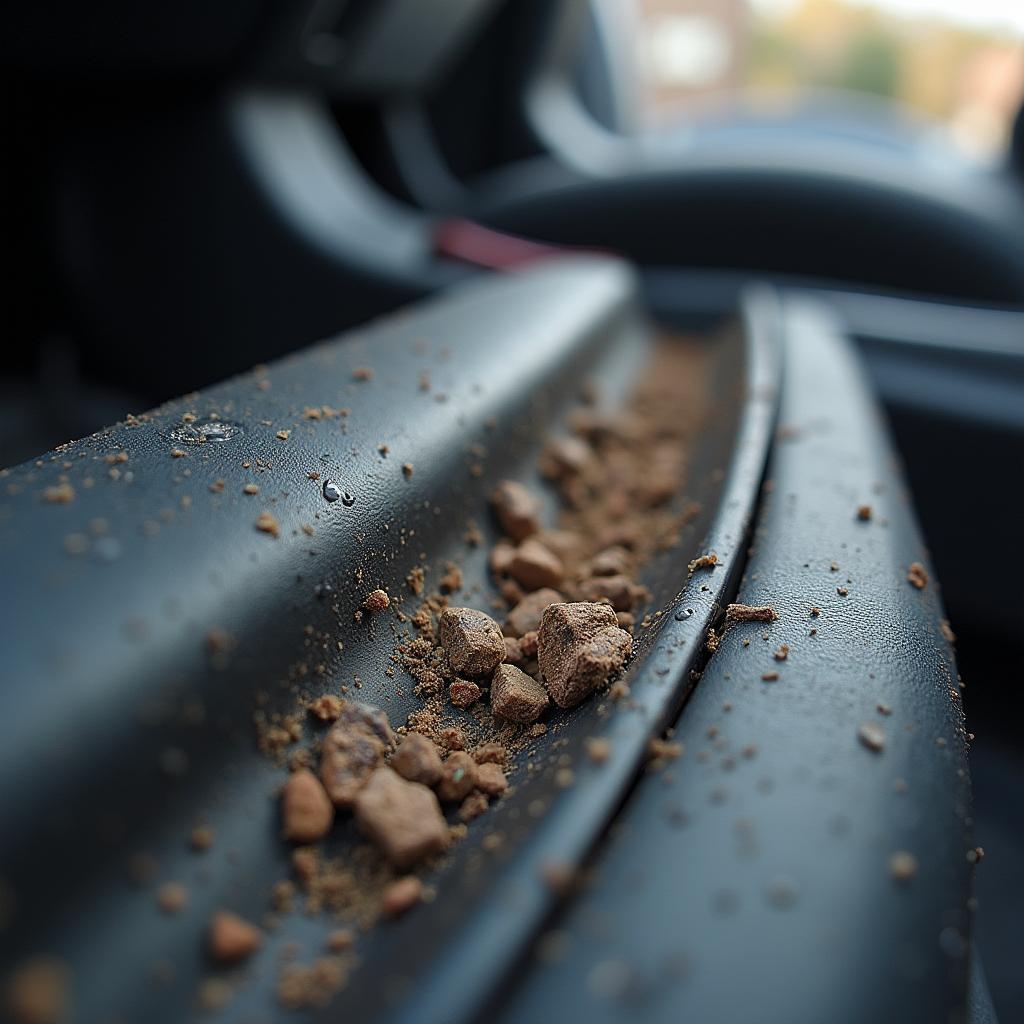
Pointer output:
x,y
1007,14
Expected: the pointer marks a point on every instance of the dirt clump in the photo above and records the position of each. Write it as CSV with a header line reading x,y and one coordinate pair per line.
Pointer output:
x,y
306,810
417,760
533,566
580,647
376,601
749,613
401,896
472,640
464,692
39,992
458,777
231,939
354,747
516,509
517,696
525,616
917,575
402,819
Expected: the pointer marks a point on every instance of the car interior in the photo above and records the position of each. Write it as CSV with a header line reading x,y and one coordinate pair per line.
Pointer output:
x,y
365,262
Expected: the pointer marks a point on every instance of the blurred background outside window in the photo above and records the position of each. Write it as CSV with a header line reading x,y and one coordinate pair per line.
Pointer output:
x,y
957,62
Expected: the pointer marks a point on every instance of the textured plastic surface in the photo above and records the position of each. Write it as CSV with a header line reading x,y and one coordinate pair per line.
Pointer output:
x,y
119,731
751,880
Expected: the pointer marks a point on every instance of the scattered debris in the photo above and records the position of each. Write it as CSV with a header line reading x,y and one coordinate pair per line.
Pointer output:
x,y
863,513
871,735
306,810
172,897
356,745
517,510
401,896
917,575
39,992
417,760
458,777
231,938
749,613
517,696
403,819
580,647
376,601
60,494
266,523
703,562
473,641
902,867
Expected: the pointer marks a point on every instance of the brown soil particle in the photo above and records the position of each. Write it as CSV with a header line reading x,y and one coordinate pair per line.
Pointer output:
x,y
403,819
458,777
214,994
306,810
516,509
353,748
750,613
463,692
513,651
266,523
473,806
217,486
201,838
782,653
863,513
917,575
327,708
59,494
619,591
872,736
407,470
39,992
947,631
172,897
528,644
516,696
704,562
340,939
473,641
902,867
490,779
362,373
770,677
533,566
250,489
613,561
301,985
376,601
283,435
417,760
231,939
525,616
580,647
490,753
662,751
500,558
451,581
598,749
401,896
